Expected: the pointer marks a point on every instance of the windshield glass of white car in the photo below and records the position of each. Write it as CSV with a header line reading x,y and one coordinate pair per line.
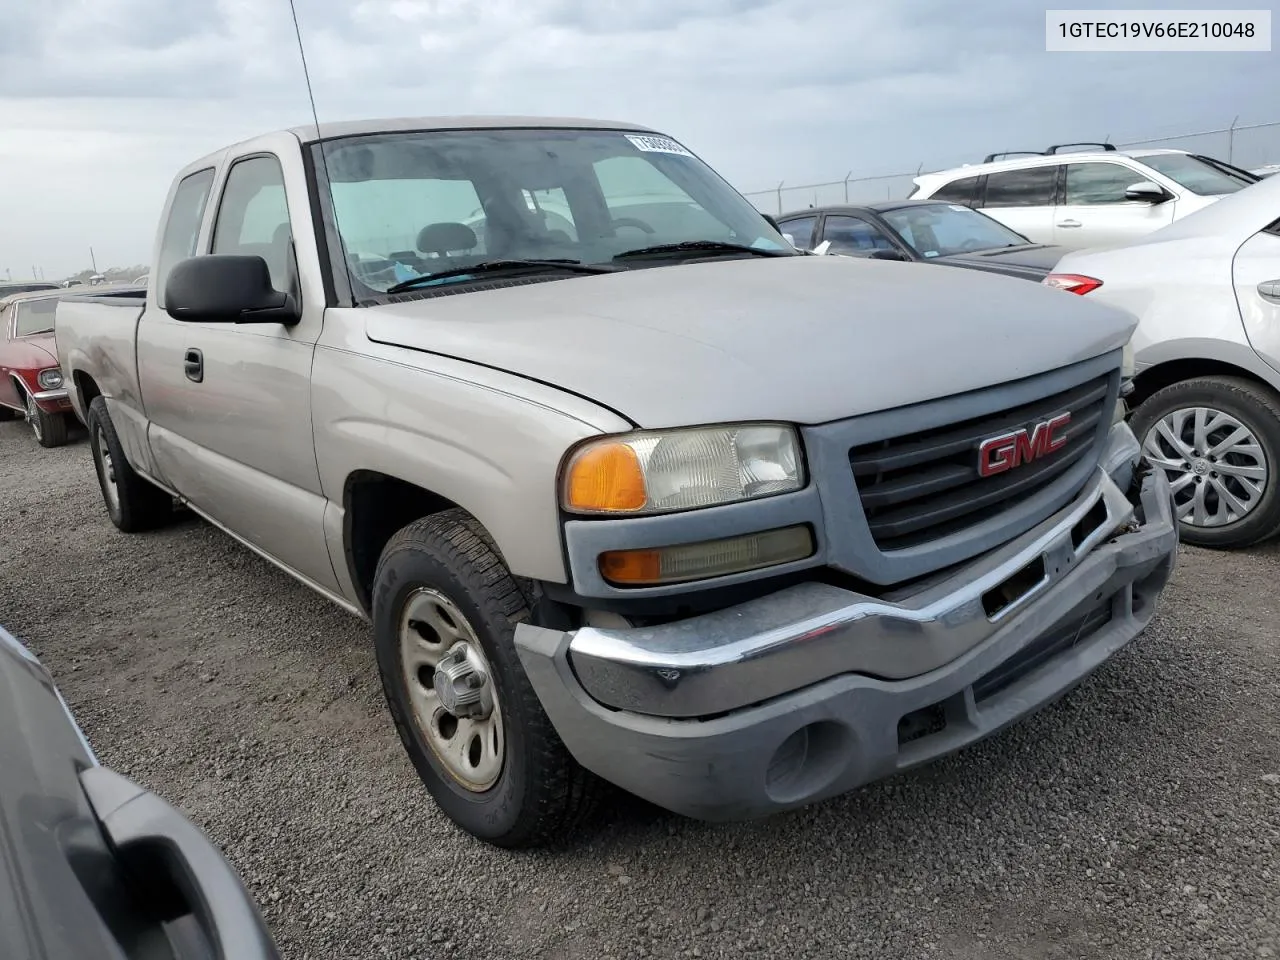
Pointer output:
x,y
1195,175
411,205
944,229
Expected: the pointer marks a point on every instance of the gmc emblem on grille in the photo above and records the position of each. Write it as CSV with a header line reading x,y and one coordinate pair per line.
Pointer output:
x,y
1009,450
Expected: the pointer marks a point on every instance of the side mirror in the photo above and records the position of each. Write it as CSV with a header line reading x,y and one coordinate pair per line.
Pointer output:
x,y
822,248
226,288
888,255
1147,192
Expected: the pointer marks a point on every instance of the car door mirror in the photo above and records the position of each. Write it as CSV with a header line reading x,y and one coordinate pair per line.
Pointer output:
x,y
226,288
887,255
823,248
1147,192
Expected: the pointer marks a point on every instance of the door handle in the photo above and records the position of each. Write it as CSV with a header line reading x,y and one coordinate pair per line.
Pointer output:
x,y
1068,223
1270,290
193,365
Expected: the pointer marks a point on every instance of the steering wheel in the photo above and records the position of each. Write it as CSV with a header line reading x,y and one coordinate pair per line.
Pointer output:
x,y
633,222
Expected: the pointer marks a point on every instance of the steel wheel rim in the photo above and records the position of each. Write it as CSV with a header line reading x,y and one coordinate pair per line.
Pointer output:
x,y
108,467
1215,464
451,690
33,418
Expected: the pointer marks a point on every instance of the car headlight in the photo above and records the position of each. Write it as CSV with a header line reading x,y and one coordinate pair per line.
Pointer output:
x,y
50,379
662,471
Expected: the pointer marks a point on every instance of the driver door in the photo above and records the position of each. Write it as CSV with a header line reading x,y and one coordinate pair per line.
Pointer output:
x,y
230,404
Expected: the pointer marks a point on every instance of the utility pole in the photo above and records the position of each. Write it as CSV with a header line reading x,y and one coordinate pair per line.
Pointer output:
x,y
93,260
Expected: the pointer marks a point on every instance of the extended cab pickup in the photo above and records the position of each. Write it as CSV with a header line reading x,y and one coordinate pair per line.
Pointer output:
x,y
634,492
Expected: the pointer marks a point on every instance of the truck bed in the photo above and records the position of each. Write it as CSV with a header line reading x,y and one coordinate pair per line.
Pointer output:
x,y
96,338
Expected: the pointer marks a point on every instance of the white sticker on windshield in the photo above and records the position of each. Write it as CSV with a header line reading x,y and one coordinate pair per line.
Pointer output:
x,y
657,145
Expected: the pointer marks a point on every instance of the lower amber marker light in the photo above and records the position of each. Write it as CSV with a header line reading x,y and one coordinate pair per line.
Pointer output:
x,y
655,566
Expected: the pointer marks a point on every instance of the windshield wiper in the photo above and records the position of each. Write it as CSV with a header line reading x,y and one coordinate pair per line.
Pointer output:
x,y
714,246
492,266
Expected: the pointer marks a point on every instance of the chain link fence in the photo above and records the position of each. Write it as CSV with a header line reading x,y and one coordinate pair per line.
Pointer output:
x,y
1245,145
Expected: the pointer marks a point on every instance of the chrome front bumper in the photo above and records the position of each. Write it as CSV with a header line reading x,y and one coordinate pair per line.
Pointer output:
x,y
798,636
709,728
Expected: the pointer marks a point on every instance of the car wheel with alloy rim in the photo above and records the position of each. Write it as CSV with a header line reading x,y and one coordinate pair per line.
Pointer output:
x,y
1218,441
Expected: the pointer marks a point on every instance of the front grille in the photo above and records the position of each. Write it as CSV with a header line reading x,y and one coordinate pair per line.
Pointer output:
x,y
924,486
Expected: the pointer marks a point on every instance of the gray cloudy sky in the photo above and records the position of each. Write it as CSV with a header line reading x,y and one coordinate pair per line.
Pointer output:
x,y
102,100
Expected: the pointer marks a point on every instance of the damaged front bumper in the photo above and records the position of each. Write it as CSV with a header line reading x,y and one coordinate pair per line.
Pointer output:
x,y
814,689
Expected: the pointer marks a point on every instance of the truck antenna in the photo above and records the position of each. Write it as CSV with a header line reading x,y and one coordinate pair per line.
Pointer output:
x,y
306,74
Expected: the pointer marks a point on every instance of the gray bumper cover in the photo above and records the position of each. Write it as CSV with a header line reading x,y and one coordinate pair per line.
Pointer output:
x,y
849,728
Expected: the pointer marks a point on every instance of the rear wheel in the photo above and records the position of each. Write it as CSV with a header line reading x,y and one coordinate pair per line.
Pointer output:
x,y
50,428
445,609
1218,441
133,503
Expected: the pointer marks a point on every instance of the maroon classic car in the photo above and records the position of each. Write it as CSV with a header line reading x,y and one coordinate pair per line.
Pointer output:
x,y
30,381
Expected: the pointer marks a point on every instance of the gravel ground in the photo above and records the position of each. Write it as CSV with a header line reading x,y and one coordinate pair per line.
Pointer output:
x,y
1139,817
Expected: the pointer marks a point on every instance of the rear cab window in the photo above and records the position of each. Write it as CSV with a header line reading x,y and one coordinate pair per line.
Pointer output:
x,y
182,228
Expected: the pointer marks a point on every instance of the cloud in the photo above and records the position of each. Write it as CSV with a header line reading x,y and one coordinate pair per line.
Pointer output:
x,y
104,99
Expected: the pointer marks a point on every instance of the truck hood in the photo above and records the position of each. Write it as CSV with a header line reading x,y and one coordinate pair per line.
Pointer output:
x,y
799,339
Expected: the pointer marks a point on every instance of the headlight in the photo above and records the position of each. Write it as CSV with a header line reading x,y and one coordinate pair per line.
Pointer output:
x,y
662,471
50,379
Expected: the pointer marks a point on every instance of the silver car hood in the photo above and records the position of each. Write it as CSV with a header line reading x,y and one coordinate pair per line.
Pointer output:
x,y
798,339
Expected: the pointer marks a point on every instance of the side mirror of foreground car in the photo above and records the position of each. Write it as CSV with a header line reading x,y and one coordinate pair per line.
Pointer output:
x,y
226,288
888,255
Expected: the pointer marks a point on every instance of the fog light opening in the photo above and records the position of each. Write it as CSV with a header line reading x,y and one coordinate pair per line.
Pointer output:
x,y
806,762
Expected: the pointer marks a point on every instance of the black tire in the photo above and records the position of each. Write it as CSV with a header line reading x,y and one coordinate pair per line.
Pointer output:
x,y
50,428
541,794
1258,409
139,504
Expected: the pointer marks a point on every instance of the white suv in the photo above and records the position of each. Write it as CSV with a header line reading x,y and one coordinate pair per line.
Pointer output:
x,y
1105,198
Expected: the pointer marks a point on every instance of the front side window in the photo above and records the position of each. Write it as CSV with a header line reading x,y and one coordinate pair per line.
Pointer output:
x,y
1194,174
958,191
1094,184
853,236
943,229
34,316
800,229
1032,187
253,217
410,205
182,229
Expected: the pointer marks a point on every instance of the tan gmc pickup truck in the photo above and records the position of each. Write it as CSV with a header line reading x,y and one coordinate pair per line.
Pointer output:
x,y
630,489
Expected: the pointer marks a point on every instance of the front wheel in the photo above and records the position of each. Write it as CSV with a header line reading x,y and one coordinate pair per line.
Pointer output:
x,y
1218,441
50,429
445,610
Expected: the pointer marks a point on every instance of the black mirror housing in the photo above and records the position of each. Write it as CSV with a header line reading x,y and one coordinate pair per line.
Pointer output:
x,y
226,288
888,255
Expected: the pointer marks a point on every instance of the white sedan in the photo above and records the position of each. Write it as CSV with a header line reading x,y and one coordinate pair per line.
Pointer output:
x,y
1206,403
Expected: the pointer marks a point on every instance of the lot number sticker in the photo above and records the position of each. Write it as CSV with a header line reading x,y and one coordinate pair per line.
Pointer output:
x,y
658,145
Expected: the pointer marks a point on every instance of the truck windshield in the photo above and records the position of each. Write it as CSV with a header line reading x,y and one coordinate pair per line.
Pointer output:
x,y
414,204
